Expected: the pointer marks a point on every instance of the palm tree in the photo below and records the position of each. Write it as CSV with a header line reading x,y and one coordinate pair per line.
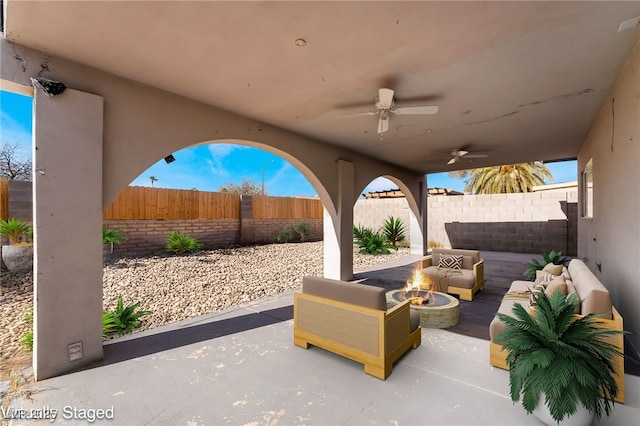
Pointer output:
x,y
508,178
153,179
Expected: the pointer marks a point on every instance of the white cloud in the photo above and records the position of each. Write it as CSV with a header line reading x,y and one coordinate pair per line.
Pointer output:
x,y
13,132
219,152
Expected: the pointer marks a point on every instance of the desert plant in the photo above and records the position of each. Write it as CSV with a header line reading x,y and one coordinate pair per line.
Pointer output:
x,y
26,341
302,228
360,232
534,265
112,235
564,357
285,235
394,230
434,244
109,325
375,243
15,230
125,317
181,243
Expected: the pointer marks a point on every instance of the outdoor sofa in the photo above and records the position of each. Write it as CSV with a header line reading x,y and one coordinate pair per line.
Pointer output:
x,y
352,320
594,297
464,281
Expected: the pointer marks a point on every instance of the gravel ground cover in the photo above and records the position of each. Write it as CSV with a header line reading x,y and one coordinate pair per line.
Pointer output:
x,y
179,287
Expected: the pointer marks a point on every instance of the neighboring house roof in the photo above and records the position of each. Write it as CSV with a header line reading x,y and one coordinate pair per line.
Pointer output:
x,y
396,193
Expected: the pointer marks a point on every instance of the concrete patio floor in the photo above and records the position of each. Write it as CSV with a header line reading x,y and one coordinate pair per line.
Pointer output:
x,y
241,367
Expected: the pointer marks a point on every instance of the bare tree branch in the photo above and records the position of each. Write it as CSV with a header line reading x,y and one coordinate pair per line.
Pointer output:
x,y
12,165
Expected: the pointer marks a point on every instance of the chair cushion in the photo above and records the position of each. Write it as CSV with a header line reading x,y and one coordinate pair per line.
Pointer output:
x,y
461,278
414,317
469,257
357,294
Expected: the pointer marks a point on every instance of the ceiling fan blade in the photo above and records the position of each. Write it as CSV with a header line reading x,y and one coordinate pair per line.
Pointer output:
x,y
362,114
453,160
385,97
417,110
477,156
383,124
461,153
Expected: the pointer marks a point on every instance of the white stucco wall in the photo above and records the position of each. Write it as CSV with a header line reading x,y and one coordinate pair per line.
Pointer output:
x,y
610,241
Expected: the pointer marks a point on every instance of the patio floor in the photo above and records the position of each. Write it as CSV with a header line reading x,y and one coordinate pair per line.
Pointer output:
x,y
240,366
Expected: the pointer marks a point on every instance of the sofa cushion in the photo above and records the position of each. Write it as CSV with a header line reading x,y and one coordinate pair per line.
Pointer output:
x,y
357,294
518,294
450,261
594,296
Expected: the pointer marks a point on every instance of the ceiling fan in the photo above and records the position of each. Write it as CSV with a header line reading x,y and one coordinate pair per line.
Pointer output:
x,y
457,154
385,105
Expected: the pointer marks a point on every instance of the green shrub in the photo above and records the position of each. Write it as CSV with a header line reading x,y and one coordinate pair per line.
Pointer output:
x,y
375,243
109,325
181,243
125,318
302,228
360,232
534,265
112,235
285,235
394,230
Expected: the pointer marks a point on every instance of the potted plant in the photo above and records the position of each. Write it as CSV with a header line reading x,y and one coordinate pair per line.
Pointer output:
x,y
109,238
559,361
18,256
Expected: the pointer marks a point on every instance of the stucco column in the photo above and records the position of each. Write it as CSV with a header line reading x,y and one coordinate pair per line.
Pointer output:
x,y
67,211
418,222
338,228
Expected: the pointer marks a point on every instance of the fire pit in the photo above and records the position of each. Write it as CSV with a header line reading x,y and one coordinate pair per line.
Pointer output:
x,y
437,310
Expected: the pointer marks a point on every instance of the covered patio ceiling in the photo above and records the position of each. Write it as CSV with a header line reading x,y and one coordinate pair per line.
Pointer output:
x,y
517,81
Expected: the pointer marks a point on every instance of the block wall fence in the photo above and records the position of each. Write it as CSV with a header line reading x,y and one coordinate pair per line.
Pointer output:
x,y
524,223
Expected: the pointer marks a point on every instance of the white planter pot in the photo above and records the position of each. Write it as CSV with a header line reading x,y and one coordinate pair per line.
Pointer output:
x,y
582,416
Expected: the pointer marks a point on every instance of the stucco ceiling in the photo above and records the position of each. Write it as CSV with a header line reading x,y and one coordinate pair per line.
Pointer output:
x,y
518,81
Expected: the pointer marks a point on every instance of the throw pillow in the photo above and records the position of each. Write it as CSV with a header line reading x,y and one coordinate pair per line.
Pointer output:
x,y
451,261
557,284
553,269
535,291
544,278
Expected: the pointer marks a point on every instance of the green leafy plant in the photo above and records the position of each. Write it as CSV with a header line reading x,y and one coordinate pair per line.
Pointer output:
x,y
302,228
181,243
360,232
112,235
375,243
285,235
109,325
26,341
15,230
534,265
125,318
562,356
394,230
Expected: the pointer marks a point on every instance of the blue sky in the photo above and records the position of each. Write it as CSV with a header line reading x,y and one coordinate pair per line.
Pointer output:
x,y
207,167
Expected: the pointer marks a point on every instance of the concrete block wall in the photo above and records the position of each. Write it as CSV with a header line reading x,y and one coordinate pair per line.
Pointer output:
x,y
372,213
525,222
266,230
150,236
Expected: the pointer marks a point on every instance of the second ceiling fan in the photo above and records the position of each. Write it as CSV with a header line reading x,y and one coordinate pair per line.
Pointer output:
x,y
386,105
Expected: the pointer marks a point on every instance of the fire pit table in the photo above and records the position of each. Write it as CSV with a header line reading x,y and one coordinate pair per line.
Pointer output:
x,y
437,310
